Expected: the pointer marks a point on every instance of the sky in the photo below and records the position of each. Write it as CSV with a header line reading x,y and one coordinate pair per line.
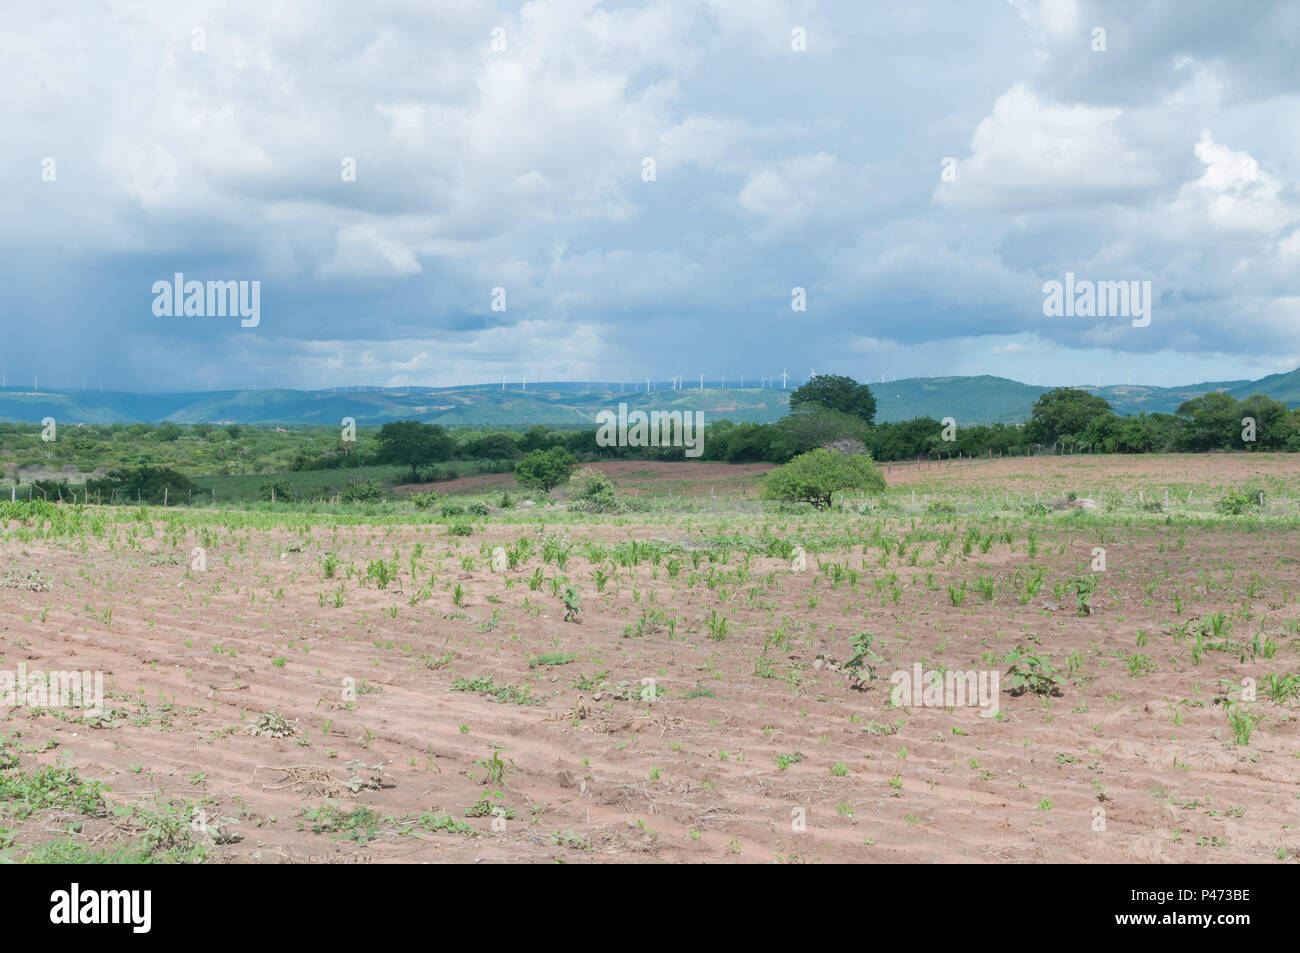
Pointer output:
x,y
440,192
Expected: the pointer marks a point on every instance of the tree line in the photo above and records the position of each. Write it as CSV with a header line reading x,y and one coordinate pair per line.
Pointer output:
x,y
829,411
838,413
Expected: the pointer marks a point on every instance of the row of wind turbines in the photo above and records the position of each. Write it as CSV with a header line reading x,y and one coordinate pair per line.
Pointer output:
x,y
678,382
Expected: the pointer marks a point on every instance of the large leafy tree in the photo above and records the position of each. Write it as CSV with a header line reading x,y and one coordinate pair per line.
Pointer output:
x,y
545,469
413,444
1064,412
812,426
836,393
1211,422
814,477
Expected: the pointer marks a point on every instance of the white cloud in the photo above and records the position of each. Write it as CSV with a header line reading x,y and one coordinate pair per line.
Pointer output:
x,y
1031,155
1051,19
774,169
362,251
1233,192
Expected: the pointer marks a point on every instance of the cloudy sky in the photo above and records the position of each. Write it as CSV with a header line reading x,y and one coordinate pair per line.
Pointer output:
x,y
504,145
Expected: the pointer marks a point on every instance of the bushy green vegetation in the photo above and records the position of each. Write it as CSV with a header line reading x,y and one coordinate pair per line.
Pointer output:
x,y
233,463
815,477
591,491
545,469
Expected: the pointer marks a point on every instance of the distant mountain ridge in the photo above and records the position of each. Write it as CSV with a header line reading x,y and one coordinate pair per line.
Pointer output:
x,y
969,400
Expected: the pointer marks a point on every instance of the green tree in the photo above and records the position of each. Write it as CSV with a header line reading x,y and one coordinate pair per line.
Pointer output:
x,y
903,439
545,469
280,490
146,484
815,426
413,444
1270,416
814,477
493,446
836,393
749,443
539,437
1212,422
1064,412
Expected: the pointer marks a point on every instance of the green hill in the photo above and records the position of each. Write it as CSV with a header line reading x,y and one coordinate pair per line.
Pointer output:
x,y
983,399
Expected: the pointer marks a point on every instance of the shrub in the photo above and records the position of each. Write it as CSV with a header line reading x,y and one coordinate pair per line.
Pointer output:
x,y
814,477
425,500
592,492
361,491
53,489
1237,502
279,490
477,509
145,484
545,469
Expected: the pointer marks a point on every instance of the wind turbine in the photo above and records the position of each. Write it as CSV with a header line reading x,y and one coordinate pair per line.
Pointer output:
x,y
701,381
784,375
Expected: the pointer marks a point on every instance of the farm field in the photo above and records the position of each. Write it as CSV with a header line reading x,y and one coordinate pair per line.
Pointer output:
x,y
694,480
666,686
972,483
